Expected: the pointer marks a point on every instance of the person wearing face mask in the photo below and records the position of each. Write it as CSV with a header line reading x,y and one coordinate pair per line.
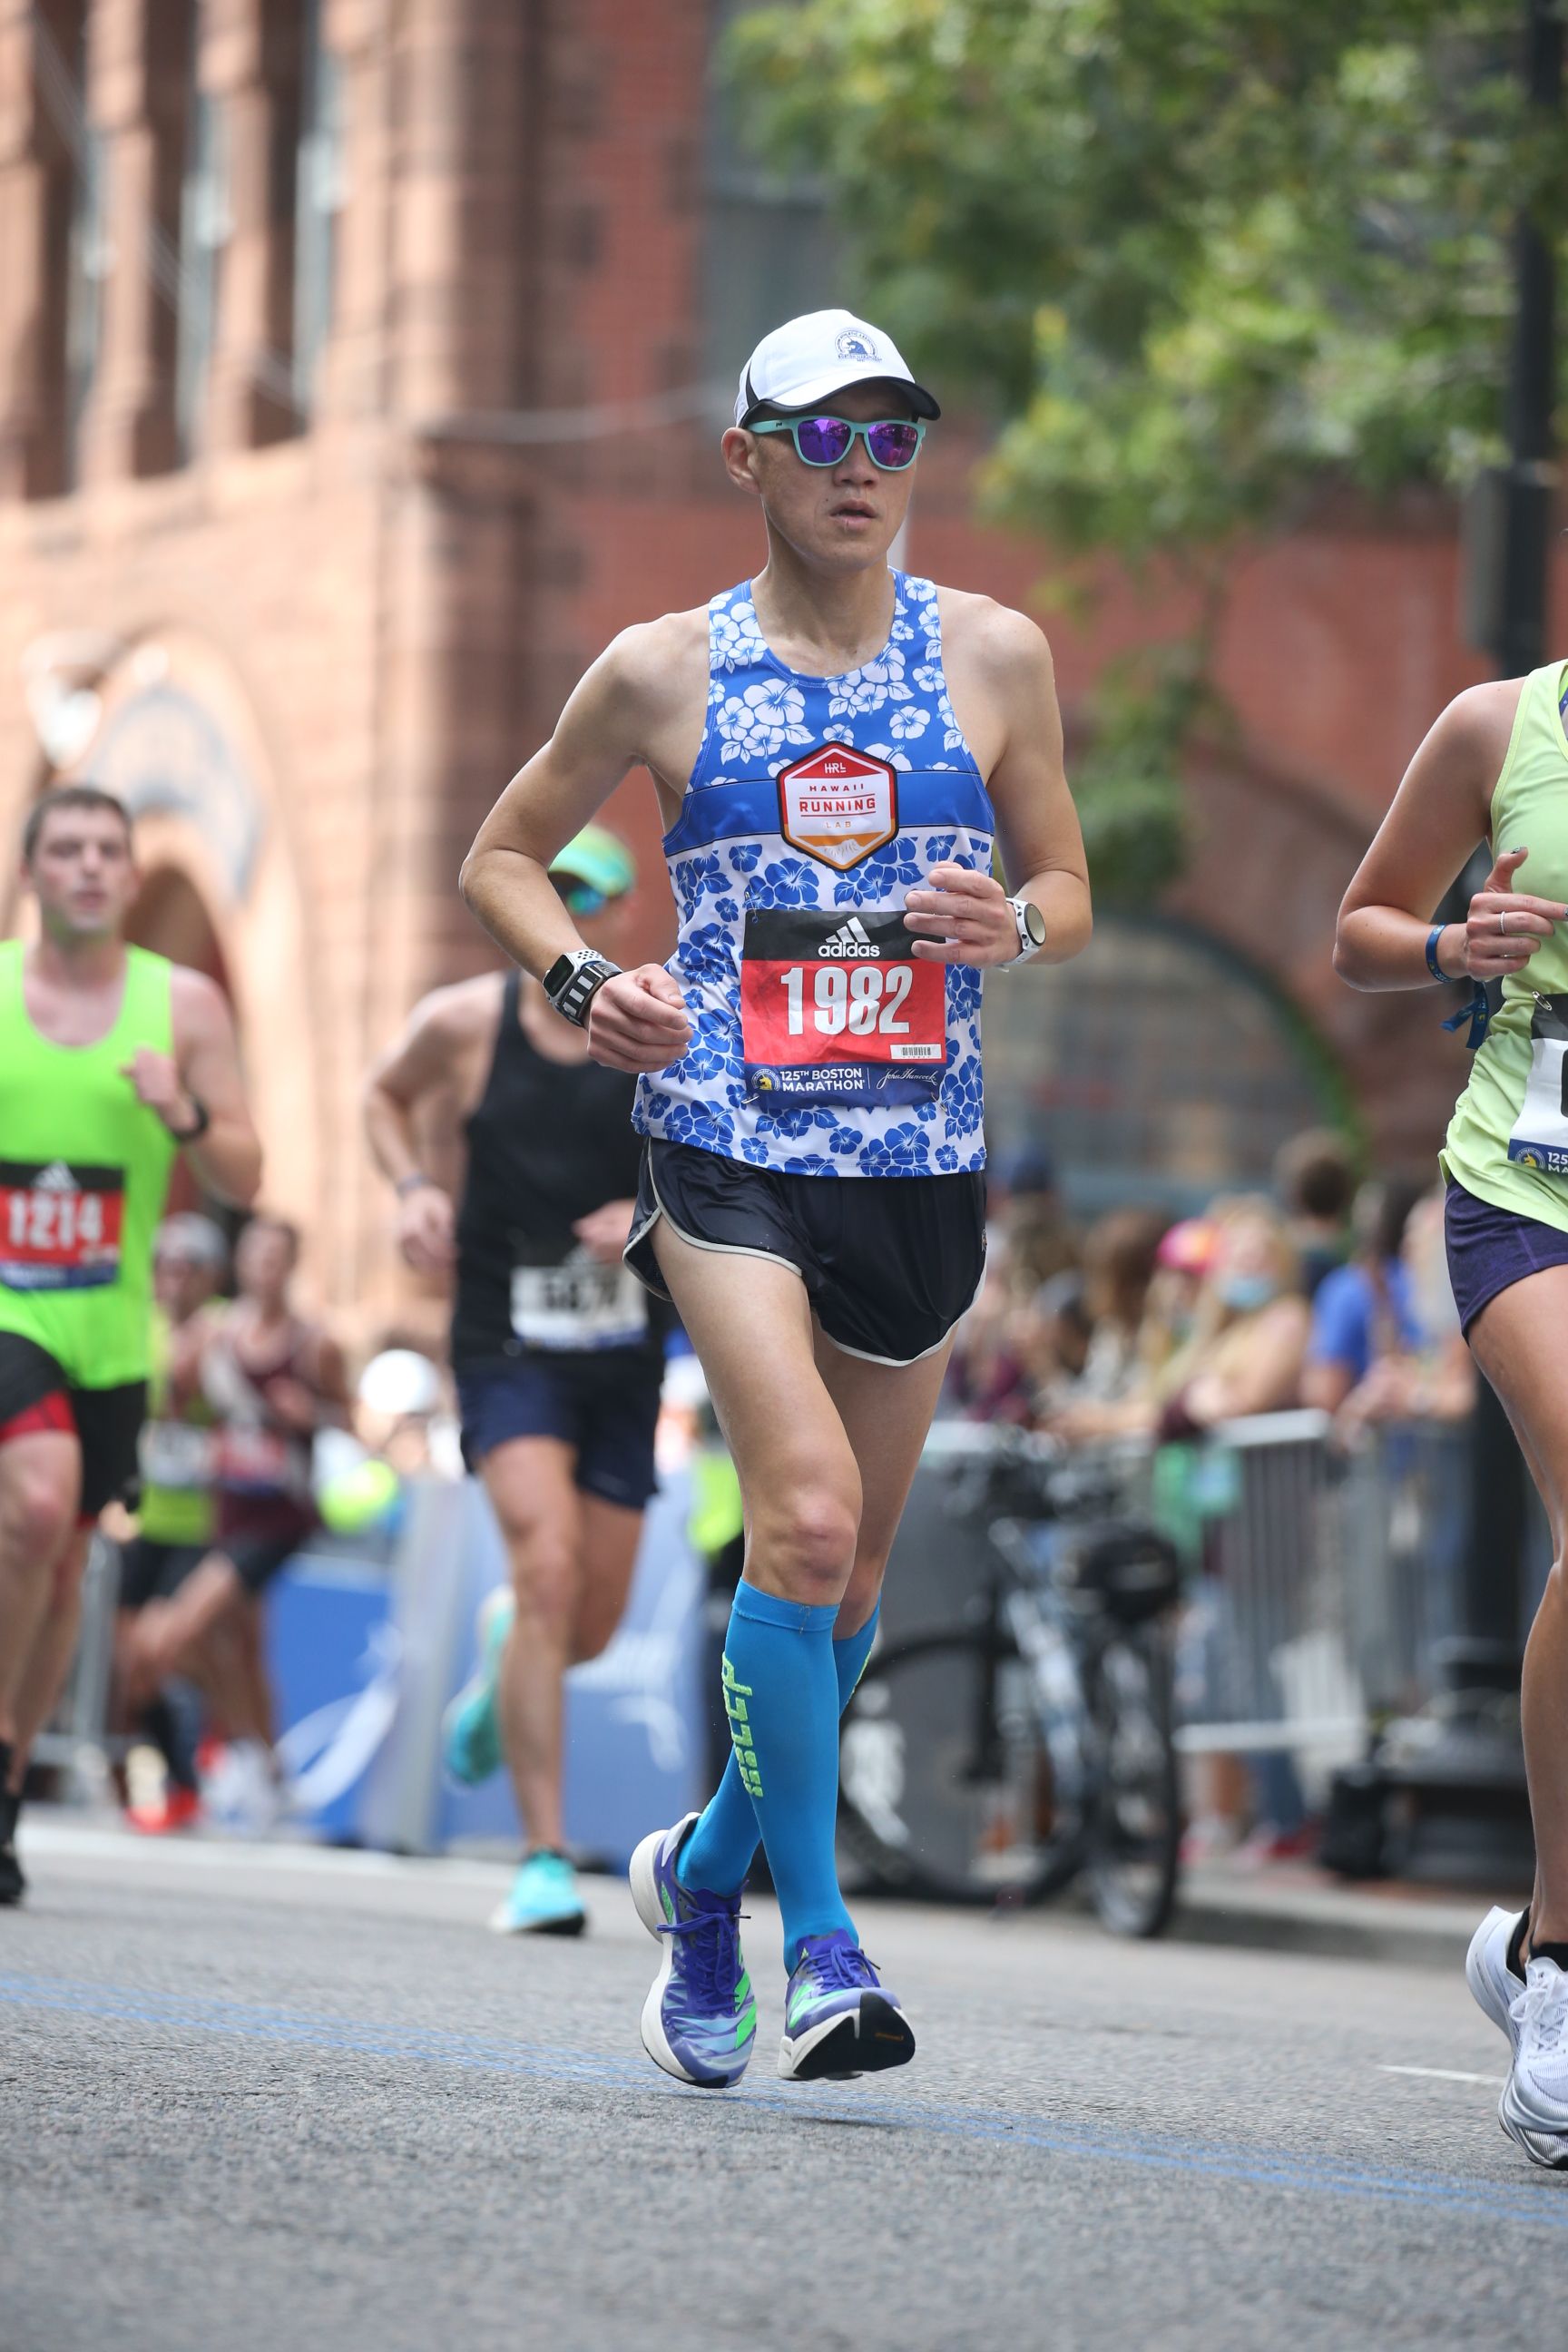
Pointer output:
x,y
1249,1339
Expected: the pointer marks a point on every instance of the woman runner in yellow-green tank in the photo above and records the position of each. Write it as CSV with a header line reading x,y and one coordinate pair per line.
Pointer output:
x,y
111,1060
1495,766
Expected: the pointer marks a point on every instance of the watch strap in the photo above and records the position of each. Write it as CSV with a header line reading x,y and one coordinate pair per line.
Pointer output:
x,y
572,990
198,1126
1028,943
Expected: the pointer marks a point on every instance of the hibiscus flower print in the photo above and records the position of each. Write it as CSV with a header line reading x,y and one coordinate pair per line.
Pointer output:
x,y
762,719
733,635
870,687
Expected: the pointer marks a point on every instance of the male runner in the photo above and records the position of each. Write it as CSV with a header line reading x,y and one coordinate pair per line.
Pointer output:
x,y
111,1060
558,1359
837,748
176,1510
273,1378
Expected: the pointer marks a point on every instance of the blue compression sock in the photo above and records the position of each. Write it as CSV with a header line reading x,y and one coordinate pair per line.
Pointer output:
x,y
719,1852
781,1691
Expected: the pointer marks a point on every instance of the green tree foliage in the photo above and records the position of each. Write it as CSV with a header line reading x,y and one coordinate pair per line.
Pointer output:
x,y
1198,258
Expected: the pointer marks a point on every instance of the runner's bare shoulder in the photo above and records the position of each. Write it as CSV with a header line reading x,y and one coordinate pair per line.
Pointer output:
x,y
994,637
656,671
461,1014
1479,721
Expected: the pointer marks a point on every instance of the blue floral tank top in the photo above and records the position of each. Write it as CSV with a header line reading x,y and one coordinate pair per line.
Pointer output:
x,y
820,1046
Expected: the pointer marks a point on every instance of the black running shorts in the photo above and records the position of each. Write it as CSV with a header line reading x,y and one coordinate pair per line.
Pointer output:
x,y
153,1570
33,1395
889,1262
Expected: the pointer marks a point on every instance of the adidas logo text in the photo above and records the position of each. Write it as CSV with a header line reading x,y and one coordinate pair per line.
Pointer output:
x,y
852,940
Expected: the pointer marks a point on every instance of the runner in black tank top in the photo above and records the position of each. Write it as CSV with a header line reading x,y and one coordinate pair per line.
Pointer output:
x,y
556,1350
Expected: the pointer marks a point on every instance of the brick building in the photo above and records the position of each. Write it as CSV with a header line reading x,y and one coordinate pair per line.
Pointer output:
x,y
359,368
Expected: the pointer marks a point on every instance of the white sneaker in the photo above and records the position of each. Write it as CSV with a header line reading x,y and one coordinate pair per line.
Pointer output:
x,y
1492,1982
244,1795
1533,2109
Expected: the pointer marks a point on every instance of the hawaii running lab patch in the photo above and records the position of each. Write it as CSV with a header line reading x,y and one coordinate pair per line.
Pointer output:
x,y
838,804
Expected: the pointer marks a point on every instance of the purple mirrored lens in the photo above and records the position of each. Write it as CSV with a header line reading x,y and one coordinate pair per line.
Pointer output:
x,y
893,445
822,440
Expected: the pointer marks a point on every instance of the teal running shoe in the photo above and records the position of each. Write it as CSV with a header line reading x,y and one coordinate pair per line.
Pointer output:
x,y
700,2021
840,2020
470,1728
543,1900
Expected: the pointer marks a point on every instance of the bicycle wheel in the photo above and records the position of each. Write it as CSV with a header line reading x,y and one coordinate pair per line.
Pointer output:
x,y
945,1784
1135,1832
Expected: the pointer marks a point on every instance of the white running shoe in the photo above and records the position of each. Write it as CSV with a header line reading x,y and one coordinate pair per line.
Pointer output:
x,y
244,1795
1533,2109
1492,1982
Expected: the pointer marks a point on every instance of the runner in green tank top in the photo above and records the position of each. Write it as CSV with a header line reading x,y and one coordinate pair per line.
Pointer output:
x,y
1495,766
110,1061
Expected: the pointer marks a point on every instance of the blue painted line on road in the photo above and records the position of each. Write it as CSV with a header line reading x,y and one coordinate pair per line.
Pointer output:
x,y
1542,2206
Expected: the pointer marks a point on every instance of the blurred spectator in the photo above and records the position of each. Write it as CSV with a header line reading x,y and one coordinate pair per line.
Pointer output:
x,y
1363,1313
1433,1378
1029,1227
1249,1339
1314,1175
1052,1339
1139,1302
1006,1347
1245,1324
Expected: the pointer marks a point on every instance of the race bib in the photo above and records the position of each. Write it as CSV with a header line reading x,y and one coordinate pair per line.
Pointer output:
x,y
60,1226
176,1454
834,1009
579,1305
258,1461
1540,1136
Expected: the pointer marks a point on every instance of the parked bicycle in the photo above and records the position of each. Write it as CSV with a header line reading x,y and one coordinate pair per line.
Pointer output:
x,y
997,1760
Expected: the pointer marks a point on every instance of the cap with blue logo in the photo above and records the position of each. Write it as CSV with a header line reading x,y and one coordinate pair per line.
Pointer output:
x,y
823,351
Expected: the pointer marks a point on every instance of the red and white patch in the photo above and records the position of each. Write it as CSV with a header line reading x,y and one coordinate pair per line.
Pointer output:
x,y
838,804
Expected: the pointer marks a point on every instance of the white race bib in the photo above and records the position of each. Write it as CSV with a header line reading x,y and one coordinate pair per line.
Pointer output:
x,y
175,1454
579,1305
1540,1136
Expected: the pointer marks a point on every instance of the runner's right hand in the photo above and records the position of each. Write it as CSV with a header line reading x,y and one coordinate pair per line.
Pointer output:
x,y
637,1021
1494,950
426,1220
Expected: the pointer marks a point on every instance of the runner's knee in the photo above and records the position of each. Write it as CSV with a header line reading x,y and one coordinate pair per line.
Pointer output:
x,y
804,1542
37,1513
544,1574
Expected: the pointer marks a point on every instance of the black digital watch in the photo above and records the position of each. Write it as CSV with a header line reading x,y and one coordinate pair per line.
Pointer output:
x,y
574,981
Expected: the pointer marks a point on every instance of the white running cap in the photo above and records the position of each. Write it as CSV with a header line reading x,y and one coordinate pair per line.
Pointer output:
x,y
807,358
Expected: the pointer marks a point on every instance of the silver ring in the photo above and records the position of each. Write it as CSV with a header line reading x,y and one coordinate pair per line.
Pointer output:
x,y
1502,924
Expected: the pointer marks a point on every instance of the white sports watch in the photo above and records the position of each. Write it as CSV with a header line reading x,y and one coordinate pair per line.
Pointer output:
x,y
1031,929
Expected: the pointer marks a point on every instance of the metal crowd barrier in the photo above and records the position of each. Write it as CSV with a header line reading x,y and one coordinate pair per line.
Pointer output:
x,y
1268,1654
76,1740
1322,1583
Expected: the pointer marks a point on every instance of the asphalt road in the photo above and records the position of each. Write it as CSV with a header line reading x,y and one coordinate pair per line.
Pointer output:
x,y
251,2100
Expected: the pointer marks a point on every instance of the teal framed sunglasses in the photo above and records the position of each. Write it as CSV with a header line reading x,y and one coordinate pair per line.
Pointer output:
x,y
891,443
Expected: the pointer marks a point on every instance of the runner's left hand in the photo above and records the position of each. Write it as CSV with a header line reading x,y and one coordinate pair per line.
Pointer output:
x,y
962,918
157,1085
294,1403
604,1233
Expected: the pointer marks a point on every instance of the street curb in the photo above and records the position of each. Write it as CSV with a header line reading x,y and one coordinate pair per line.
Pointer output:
x,y
1328,1922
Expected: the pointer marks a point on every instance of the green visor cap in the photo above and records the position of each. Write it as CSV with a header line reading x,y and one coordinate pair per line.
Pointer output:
x,y
597,858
